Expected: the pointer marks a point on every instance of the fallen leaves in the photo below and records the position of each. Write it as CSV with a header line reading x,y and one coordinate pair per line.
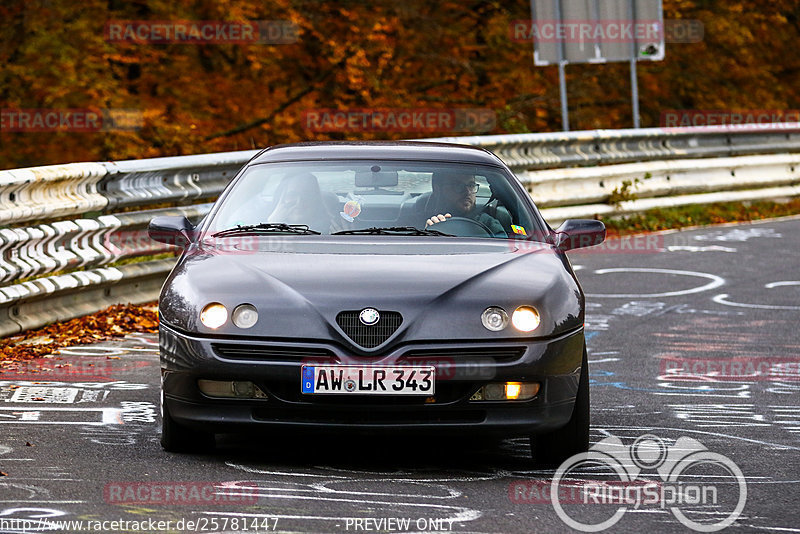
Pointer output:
x,y
113,322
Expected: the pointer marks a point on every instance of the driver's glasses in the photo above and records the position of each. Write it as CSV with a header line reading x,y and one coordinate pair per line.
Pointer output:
x,y
471,187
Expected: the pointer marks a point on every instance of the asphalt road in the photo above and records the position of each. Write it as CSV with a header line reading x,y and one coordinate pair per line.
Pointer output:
x,y
691,335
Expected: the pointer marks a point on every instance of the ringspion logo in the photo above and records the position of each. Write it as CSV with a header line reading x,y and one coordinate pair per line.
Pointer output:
x,y
691,481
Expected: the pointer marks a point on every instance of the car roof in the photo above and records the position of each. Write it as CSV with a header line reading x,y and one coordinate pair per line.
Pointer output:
x,y
397,150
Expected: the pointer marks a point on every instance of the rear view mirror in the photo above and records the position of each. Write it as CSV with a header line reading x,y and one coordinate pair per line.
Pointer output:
x,y
376,178
172,230
579,233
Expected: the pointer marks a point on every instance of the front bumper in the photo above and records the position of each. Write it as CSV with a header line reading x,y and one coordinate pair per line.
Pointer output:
x,y
461,369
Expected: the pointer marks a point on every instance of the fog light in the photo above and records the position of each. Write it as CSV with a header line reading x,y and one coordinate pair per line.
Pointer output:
x,y
513,389
494,318
230,389
244,315
504,391
525,318
214,315
494,392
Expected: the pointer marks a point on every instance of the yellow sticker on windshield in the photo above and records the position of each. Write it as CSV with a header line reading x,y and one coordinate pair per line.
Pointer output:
x,y
519,229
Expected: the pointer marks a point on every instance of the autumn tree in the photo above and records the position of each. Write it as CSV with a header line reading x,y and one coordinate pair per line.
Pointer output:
x,y
358,54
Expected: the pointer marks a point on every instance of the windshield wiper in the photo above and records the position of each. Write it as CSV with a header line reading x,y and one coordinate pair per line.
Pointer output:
x,y
267,228
392,230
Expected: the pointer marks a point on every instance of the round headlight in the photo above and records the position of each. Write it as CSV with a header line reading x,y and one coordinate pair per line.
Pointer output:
x,y
525,318
494,318
244,315
214,315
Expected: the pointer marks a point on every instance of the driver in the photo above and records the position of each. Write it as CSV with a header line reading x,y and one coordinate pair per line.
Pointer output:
x,y
454,194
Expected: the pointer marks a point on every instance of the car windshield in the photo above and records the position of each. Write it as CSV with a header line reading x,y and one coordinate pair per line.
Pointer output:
x,y
358,198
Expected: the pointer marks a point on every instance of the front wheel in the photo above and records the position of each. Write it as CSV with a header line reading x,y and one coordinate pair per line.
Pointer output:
x,y
573,438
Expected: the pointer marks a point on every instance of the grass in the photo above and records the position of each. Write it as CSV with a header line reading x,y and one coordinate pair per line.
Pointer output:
x,y
700,215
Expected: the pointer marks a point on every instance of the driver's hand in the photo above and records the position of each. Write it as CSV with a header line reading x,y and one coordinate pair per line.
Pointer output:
x,y
437,219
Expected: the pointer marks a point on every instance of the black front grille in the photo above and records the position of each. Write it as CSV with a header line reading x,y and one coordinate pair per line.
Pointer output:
x,y
464,354
369,336
272,353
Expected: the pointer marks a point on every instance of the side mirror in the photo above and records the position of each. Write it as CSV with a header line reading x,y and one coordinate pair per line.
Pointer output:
x,y
579,233
172,230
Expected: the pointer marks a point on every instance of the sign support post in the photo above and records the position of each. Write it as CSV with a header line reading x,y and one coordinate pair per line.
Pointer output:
x,y
562,84
634,77
597,31
635,95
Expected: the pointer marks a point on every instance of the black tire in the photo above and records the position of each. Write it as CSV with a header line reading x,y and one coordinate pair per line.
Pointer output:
x,y
553,448
178,438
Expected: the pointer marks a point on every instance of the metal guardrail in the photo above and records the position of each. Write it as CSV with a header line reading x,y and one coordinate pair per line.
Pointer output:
x,y
88,248
50,192
81,243
68,226
583,193
604,147
182,179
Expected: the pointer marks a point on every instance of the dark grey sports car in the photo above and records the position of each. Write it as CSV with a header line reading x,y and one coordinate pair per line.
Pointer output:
x,y
405,287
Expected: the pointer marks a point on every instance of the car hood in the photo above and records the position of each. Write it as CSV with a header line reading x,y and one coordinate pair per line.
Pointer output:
x,y
439,289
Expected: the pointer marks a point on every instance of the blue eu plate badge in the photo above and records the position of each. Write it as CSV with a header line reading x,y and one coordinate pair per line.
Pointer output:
x,y
308,380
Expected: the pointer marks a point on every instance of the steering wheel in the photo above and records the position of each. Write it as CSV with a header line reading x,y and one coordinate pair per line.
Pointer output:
x,y
463,227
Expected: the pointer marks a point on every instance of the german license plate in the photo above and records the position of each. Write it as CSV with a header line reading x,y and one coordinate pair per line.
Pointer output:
x,y
367,380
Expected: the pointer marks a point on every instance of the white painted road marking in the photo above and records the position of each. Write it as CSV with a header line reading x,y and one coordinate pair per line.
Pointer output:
x,y
716,281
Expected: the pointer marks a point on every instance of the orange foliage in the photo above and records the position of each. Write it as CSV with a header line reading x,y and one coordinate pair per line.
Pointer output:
x,y
114,321
355,54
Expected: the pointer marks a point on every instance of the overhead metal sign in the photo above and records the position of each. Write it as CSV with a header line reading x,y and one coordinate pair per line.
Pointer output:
x,y
596,31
